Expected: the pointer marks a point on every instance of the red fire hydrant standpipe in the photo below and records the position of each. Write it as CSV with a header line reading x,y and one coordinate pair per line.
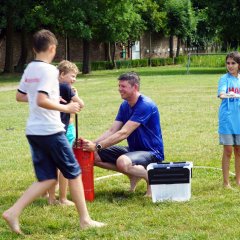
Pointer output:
x,y
86,162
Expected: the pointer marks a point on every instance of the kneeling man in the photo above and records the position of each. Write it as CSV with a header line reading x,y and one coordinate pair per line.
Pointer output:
x,y
138,121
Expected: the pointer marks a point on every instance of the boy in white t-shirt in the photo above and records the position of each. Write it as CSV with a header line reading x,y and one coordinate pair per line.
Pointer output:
x,y
45,132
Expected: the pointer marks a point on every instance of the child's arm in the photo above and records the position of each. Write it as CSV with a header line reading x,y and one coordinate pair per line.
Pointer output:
x,y
79,100
44,102
76,98
21,97
222,95
228,95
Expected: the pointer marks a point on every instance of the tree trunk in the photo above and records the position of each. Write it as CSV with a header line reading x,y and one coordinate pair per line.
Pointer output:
x,y
171,46
67,48
24,52
9,68
113,56
224,46
2,34
129,50
109,56
178,46
106,52
86,68
150,50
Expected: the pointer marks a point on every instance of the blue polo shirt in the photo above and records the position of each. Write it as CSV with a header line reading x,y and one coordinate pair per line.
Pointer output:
x,y
229,110
148,136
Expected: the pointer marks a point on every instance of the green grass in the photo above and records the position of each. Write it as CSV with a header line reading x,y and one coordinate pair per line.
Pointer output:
x,y
217,60
188,107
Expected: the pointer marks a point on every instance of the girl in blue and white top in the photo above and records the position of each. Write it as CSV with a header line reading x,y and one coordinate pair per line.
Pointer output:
x,y
229,116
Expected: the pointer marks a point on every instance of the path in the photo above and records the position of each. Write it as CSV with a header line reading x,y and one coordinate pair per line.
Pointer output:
x,y
8,88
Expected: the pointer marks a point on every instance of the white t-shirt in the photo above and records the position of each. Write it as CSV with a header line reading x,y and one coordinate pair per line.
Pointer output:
x,y
41,76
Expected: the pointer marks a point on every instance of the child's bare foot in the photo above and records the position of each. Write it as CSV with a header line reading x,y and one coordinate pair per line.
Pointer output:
x,y
227,186
91,224
133,183
45,195
53,202
66,202
12,221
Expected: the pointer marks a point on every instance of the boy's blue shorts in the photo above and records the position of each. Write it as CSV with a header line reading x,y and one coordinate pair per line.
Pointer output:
x,y
52,152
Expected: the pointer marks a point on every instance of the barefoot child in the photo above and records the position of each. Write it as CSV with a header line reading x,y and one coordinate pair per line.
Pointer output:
x,y
67,76
45,132
229,117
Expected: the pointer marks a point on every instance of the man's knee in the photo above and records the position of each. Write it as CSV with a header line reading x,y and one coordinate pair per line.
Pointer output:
x,y
123,163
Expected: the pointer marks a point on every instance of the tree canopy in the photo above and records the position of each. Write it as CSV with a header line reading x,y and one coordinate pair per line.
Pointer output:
x,y
196,22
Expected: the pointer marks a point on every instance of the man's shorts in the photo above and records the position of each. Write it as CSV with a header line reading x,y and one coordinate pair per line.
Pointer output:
x,y
71,134
52,152
111,154
229,139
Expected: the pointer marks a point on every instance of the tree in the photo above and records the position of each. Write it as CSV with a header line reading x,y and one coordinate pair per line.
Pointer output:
x,y
75,18
206,34
7,13
23,16
154,17
217,23
103,20
180,21
223,16
31,16
120,23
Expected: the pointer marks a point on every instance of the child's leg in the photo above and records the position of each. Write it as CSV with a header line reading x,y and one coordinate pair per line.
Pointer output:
x,y
51,195
227,153
63,185
35,190
77,193
237,163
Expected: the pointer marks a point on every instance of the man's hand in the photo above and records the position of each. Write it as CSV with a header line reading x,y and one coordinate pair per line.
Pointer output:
x,y
88,145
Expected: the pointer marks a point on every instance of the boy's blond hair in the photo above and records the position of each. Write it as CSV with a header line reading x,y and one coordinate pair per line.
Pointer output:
x,y
66,66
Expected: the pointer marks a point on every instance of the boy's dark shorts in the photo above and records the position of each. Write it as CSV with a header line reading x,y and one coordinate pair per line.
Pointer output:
x,y
111,154
52,152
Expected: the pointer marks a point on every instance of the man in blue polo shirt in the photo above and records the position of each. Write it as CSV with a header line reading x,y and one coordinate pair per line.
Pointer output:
x,y
138,121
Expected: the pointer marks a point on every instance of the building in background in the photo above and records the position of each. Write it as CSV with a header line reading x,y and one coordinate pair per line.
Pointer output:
x,y
148,46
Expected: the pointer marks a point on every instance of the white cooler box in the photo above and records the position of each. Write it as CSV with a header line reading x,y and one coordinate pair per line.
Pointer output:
x,y
170,181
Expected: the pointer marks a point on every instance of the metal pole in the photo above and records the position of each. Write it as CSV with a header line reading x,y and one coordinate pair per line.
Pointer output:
x,y
188,62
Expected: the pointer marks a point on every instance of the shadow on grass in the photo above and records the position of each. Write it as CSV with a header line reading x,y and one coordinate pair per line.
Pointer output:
x,y
117,196
113,196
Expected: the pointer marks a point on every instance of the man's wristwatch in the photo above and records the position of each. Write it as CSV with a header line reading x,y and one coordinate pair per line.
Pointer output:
x,y
98,147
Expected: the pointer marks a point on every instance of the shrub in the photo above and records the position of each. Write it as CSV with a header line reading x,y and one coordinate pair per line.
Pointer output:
x,y
207,60
196,61
100,65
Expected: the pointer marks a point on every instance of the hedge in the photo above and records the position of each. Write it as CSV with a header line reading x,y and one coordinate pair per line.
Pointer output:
x,y
154,62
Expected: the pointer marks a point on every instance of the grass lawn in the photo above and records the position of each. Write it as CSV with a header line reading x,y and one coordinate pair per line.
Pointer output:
x,y
188,106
